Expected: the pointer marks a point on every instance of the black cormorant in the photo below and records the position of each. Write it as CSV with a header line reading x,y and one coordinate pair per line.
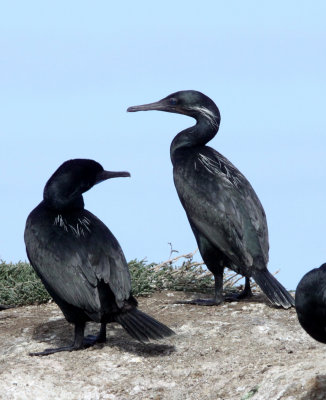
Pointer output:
x,y
223,210
310,303
80,262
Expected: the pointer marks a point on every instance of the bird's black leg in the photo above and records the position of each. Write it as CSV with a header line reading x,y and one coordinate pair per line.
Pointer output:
x,y
100,338
77,345
218,296
215,262
218,286
246,292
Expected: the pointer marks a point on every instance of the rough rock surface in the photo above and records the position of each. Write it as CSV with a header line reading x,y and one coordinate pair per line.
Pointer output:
x,y
245,350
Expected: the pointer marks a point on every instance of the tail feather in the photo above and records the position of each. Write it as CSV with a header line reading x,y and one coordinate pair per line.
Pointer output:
x,y
133,329
149,326
276,293
152,326
142,326
146,326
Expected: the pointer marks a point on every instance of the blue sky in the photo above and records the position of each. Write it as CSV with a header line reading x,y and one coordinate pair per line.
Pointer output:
x,y
69,70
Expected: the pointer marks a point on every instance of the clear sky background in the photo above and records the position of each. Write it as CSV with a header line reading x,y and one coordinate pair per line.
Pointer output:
x,y
70,69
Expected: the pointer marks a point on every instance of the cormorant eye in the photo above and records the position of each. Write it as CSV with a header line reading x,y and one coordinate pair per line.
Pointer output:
x,y
173,101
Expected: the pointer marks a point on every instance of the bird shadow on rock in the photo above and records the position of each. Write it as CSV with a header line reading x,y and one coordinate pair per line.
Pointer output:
x,y
60,333
57,332
257,297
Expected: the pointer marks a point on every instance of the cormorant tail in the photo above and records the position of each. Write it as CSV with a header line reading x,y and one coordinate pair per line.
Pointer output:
x,y
276,293
141,326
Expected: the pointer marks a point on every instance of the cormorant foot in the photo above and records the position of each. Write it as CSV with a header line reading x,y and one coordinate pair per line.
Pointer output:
x,y
237,297
47,352
90,340
245,293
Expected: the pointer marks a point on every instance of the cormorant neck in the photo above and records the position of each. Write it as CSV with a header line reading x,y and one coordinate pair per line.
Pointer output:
x,y
197,135
57,200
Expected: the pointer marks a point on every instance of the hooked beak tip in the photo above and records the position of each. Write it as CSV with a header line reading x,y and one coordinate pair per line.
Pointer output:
x,y
122,174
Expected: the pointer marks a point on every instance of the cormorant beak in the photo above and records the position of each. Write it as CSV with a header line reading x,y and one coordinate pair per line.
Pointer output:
x,y
104,175
161,105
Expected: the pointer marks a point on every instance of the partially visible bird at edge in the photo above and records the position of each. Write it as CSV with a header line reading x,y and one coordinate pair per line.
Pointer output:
x,y
310,303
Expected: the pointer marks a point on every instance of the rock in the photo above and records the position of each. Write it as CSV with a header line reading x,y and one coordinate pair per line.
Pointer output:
x,y
234,351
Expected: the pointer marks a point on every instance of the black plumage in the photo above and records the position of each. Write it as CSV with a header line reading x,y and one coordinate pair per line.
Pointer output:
x,y
223,210
80,262
5,307
310,303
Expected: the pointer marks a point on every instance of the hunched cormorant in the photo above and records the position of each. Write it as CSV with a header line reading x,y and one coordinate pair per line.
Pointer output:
x,y
223,210
80,262
310,303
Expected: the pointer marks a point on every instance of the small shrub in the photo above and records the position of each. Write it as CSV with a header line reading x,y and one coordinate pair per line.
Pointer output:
x,y
19,284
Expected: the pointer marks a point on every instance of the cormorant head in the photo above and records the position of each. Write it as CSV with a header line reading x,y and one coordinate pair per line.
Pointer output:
x,y
188,102
71,179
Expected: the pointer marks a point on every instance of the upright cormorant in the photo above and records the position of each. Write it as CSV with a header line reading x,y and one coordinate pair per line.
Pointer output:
x,y
310,303
80,262
223,210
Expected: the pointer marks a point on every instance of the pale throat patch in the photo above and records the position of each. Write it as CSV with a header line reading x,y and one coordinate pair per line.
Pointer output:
x,y
80,229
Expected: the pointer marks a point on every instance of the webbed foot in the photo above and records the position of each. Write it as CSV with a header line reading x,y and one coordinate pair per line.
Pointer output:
x,y
245,293
47,352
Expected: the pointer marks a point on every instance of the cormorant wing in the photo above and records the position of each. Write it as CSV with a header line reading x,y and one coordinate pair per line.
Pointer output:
x,y
222,205
110,263
72,259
